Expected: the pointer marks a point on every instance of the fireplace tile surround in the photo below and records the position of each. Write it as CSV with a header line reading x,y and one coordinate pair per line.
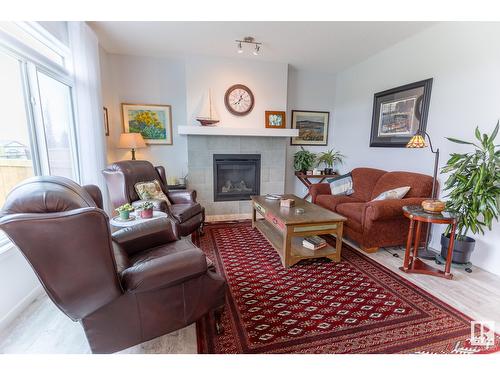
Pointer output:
x,y
200,167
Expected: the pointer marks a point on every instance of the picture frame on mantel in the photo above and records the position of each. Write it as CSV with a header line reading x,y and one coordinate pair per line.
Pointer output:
x,y
275,120
400,113
313,128
152,121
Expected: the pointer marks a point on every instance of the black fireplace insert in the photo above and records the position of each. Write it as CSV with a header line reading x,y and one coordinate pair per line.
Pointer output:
x,y
236,176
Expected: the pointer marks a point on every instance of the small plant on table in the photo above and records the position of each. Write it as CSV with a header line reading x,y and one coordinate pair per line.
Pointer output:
x,y
125,210
147,210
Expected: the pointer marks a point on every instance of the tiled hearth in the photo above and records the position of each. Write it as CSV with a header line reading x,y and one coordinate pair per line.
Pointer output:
x,y
200,167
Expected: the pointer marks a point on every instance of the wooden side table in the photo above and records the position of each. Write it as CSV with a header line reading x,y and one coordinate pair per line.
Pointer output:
x,y
304,178
412,264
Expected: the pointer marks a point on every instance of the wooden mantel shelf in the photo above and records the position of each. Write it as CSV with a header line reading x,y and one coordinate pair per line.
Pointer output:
x,y
238,132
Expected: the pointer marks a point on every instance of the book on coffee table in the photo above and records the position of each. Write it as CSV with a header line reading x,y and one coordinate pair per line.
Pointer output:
x,y
313,242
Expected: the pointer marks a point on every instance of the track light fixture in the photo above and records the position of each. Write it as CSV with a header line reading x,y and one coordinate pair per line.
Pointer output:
x,y
249,40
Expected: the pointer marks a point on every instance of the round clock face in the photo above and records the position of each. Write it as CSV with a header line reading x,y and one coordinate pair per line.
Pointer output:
x,y
239,100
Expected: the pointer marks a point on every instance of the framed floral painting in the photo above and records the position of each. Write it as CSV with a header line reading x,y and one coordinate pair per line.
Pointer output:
x,y
154,122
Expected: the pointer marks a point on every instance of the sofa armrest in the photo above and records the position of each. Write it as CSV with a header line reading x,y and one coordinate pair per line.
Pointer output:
x,y
164,270
389,209
147,235
182,196
319,189
158,204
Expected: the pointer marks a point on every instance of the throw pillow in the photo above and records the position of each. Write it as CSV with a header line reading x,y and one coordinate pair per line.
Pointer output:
x,y
341,185
150,190
398,193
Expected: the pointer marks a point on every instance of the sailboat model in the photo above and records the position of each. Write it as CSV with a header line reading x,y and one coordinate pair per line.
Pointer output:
x,y
208,115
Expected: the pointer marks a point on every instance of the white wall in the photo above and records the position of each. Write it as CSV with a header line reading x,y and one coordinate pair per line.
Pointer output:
x,y
464,60
145,80
20,286
310,91
268,82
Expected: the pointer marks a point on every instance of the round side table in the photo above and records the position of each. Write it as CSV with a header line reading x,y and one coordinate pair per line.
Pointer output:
x,y
412,264
116,222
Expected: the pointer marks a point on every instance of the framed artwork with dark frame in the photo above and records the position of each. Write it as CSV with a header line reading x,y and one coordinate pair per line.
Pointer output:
x,y
275,119
106,121
400,113
313,128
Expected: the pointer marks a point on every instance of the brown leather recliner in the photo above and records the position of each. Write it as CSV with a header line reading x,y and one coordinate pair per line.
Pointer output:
x,y
125,288
121,178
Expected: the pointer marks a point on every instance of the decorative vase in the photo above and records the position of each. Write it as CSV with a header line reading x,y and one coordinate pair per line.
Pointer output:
x,y
328,170
124,215
147,214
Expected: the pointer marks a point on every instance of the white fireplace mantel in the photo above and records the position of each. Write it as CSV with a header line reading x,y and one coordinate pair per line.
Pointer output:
x,y
239,132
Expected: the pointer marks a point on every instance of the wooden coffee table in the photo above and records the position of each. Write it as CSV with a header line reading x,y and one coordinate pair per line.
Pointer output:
x,y
285,229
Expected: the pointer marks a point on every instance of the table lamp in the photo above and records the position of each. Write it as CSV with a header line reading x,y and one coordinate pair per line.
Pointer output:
x,y
131,141
418,141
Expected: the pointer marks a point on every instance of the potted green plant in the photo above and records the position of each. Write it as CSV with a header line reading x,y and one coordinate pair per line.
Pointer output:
x,y
147,210
329,158
303,160
473,192
125,210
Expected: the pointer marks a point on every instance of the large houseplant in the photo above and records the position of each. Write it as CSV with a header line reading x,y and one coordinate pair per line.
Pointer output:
x,y
303,160
329,158
473,188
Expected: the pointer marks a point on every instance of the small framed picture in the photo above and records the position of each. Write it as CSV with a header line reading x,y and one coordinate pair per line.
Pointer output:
x,y
275,119
313,128
153,121
106,121
399,113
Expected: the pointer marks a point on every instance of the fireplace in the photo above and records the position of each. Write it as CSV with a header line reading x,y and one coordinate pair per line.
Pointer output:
x,y
236,176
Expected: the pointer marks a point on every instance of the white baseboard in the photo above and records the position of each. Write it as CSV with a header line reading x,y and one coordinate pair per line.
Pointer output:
x,y
19,308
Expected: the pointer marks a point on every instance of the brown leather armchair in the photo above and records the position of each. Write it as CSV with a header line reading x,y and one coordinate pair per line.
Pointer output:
x,y
125,288
121,178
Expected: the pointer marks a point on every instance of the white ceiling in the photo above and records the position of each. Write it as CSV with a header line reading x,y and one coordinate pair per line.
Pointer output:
x,y
322,46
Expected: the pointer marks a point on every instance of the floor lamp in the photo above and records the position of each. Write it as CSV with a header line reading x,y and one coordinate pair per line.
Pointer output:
x,y
418,141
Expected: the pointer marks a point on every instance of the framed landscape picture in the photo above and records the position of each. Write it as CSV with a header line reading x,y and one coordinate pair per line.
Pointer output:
x,y
154,122
275,120
313,128
399,113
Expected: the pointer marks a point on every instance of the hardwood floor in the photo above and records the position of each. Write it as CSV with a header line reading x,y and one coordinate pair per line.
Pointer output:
x,y
42,328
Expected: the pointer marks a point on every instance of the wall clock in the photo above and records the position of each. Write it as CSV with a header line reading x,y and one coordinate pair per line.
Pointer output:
x,y
239,100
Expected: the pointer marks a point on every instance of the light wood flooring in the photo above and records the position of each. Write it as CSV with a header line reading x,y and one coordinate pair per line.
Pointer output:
x,y
42,328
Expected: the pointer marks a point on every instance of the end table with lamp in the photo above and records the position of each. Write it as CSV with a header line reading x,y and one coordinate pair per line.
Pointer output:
x,y
412,263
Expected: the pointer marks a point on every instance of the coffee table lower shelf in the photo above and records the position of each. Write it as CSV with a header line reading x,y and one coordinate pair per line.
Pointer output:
x,y
297,251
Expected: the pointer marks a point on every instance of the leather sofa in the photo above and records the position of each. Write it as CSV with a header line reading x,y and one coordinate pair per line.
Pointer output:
x,y
125,288
374,224
121,178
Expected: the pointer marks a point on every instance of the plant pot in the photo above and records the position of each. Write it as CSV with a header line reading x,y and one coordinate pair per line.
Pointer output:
x,y
462,249
147,214
124,215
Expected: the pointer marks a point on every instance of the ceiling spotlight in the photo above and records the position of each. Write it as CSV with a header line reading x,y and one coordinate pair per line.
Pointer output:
x,y
249,40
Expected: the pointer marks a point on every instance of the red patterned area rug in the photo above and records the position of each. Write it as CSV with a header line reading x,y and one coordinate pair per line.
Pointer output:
x,y
318,306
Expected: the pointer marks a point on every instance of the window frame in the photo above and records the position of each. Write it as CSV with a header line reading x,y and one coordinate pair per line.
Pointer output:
x,y
31,62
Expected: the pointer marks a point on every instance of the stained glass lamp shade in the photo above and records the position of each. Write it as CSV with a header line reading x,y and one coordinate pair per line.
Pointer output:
x,y
417,141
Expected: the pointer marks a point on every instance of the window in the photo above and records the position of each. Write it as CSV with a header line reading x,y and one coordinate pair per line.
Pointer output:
x,y
57,118
37,129
16,161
